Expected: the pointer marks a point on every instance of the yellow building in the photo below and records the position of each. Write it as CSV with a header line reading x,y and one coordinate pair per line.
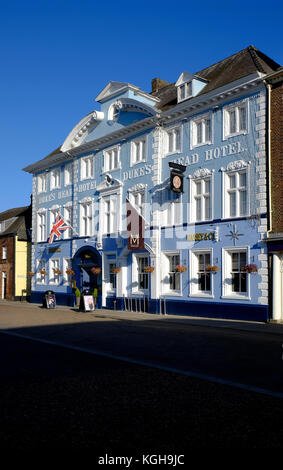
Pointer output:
x,y
15,262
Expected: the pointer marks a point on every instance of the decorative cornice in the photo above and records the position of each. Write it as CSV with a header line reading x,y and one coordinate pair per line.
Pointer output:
x,y
109,184
237,165
201,173
137,187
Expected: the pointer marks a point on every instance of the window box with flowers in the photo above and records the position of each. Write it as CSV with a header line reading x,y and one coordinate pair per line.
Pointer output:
x,y
180,268
57,271
211,268
43,272
249,268
70,272
96,270
115,270
148,269
30,273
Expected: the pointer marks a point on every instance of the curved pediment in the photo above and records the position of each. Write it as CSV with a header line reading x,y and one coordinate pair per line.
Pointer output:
x,y
82,129
131,105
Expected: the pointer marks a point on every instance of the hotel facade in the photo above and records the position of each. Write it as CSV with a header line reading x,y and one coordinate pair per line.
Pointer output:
x,y
190,160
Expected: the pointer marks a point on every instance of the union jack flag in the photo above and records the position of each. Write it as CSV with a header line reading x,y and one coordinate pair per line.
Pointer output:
x,y
57,228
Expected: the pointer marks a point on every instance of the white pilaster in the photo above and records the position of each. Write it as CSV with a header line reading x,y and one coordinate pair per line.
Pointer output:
x,y
277,288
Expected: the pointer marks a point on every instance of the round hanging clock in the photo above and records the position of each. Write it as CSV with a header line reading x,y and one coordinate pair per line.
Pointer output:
x,y
177,182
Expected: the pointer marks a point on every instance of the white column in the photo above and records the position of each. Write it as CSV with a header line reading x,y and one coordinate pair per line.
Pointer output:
x,y
276,288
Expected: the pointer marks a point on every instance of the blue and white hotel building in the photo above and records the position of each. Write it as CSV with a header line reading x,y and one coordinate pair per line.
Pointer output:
x,y
214,124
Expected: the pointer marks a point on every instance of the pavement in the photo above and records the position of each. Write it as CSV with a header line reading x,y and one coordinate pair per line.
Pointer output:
x,y
268,327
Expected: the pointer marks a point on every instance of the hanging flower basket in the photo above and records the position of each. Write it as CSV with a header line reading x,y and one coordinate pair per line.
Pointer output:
x,y
30,273
211,268
96,270
70,272
250,268
115,270
180,268
148,269
43,272
57,271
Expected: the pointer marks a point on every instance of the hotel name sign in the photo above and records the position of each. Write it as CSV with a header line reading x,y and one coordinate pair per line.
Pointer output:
x,y
227,150
222,151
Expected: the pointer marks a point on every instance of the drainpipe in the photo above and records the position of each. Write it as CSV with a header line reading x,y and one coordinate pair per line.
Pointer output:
x,y
269,206
268,146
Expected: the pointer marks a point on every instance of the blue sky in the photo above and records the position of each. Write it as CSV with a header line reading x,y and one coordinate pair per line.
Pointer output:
x,y
56,56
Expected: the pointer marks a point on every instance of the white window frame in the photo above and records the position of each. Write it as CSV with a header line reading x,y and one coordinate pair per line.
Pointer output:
x,y
235,107
109,160
194,270
204,175
227,292
201,121
172,131
235,170
136,274
165,273
187,87
107,274
55,178
53,212
138,200
68,220
41,278
4,252
172,209
67,263
87,167
54,279
138,150
41,227
110,218
86,212
42,183
68,174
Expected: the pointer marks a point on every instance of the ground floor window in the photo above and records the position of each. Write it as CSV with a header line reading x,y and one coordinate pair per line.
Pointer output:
x,y
41,272
140,281
67,265
112,275
109,272
235,279
201,277
171,277
239,278
54,276
204,276
142,275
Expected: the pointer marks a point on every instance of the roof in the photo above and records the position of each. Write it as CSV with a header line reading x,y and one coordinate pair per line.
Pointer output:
x,y
239,65
21,225
10,213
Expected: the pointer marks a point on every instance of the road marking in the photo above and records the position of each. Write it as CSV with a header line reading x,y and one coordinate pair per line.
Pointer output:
x,y
153,365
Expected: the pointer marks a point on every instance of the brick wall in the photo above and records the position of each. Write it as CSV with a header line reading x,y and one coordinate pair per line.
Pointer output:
x,y
7,266
277,157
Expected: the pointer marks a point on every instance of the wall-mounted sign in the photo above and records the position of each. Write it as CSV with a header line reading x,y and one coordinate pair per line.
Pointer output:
x,y
54,250
201,236
176,181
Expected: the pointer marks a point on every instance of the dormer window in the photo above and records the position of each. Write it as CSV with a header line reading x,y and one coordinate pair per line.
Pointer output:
x,y
189,85
184,91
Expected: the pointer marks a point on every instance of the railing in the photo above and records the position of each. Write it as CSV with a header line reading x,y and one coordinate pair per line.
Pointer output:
x,y
164,305
136,304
